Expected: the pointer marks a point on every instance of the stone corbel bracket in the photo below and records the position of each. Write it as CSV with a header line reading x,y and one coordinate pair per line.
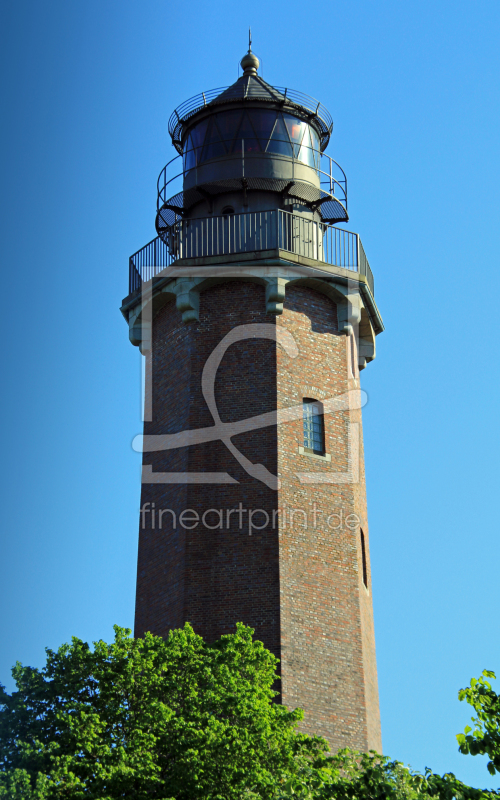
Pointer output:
x,y
140,317
275,294
187,298
353,315
354,319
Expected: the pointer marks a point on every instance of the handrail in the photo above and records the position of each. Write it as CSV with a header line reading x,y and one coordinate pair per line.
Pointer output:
x,y
330,184
147,262
251,231
292,97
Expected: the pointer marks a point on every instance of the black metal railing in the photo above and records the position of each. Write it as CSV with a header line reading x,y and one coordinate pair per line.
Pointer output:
x,y
332,178
288,99
364,267
147,262
252,231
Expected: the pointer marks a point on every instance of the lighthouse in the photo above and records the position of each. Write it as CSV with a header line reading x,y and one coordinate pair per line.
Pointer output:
x,y
255,310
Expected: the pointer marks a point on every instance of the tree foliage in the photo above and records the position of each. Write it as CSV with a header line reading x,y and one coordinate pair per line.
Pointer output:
x,y
155,719
485,738
350,775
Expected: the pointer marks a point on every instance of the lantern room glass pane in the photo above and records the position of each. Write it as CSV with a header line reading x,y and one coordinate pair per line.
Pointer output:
x,y
256,130
198,133
189,155
296,129
280,141
228,123
314,140
306,153
197,136
213,147
263,123
246,137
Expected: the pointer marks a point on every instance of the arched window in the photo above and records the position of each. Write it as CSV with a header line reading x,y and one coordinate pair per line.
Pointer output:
x,y
363,558
314,427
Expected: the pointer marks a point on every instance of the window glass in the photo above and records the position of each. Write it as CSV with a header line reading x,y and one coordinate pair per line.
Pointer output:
x,y
213,147
263,123
314,430
197,138
296,129
262,130
314,139
279,141
314,147
228,123
189,155
306,153
198,133
246,137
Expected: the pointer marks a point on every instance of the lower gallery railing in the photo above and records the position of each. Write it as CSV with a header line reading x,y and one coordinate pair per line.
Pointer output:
x,y
250,232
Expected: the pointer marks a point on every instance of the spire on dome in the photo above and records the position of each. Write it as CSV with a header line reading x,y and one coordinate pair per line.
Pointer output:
x,y
250,63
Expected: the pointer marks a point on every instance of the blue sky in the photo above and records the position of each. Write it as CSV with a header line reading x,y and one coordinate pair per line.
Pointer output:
x,y
413,90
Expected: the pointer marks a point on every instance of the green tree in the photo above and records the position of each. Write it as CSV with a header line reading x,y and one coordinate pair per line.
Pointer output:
x,y
15,784
151,718
154,719
365,776
351,775
485,738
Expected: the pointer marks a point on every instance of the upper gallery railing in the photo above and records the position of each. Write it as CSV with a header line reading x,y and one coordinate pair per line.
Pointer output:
x,y
253,231
332,178
288,98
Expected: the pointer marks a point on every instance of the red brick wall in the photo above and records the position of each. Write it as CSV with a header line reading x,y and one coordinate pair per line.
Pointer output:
x,y
300,588
327,641
222,576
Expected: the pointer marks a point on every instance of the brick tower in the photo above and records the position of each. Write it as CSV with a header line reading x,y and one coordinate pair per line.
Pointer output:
x,y
255,315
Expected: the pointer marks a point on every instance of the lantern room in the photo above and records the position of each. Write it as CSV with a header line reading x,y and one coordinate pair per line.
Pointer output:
x,y
250,147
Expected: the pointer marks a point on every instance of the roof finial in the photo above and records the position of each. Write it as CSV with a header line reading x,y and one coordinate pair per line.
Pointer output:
x,y
250,62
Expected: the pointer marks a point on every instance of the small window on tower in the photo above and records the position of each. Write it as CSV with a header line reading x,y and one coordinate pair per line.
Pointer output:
x,y
314,427
363,558
352,345
227,211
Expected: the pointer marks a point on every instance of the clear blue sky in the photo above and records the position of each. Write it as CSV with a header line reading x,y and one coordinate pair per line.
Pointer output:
x,y
413,90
